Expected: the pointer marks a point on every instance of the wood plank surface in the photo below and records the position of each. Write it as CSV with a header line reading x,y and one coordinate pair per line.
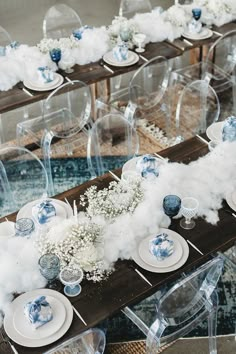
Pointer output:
x,y
98,301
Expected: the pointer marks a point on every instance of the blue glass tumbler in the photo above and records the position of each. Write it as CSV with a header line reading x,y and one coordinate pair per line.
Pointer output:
x,y
171,205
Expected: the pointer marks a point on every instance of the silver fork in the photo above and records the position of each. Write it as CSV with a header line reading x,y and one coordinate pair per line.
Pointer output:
x,y
6,339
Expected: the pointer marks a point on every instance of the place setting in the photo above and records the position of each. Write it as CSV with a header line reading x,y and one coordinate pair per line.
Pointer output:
x,y
43,80
195,29
219,132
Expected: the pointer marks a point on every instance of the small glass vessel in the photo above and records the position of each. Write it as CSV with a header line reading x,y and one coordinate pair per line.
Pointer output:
x,y
71,278
49,266
24,227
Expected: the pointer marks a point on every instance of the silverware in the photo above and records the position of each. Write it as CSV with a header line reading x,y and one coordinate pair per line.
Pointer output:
x,y
195,247
21,87
114,176
143,58
160,157
142,276
218,33
230,212
107,67
8,340
68,79
66,200
79,315
187,42
202,139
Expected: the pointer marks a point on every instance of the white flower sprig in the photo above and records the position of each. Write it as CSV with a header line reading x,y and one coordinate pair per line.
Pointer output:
x,y
115,200
47,44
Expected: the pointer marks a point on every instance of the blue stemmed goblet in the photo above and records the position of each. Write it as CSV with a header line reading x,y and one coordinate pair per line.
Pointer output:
x,y
55,55
171,205
49,266
196,14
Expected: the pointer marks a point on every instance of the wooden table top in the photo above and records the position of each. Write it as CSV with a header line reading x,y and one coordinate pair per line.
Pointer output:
x,y
98,301
94,72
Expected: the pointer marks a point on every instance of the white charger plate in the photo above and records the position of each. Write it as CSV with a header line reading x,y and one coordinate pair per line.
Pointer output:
x,y
63,210
230,200
29,342
46,87
25,328
137,259
150,259
214,132
132,59
204,34
48,84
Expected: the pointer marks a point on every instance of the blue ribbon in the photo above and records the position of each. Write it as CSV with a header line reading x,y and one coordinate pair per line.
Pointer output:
x,y
34,307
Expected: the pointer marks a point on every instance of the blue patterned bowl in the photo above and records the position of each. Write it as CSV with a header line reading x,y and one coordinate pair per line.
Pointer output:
x,y
148,166
161,246
229,129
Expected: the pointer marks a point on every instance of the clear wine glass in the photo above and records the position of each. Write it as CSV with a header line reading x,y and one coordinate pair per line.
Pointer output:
x,y
189,208
71,278
49,266
139,38
171,205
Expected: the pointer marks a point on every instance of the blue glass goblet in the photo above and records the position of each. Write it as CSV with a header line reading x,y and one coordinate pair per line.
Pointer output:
x,y
55,55
171,205
196,14
49,266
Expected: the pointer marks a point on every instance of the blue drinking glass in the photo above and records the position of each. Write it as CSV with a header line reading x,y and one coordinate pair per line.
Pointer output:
x,y
49,266
196,14
171,205
55,55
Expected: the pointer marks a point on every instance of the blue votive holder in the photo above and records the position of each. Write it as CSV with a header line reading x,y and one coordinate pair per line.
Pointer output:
x,y
24,227
171,205
229,129
161,246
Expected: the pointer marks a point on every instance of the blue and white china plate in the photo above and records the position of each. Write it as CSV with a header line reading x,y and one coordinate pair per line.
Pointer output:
x,y
37,342
132,59
176,237
231,200
63,210
204,34
150,259
58,80
25,329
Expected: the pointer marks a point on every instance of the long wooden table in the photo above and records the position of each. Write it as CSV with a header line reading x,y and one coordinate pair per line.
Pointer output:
x,y
124,287
95,72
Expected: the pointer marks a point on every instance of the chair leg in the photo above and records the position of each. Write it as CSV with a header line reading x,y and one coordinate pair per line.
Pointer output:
x,y
212,325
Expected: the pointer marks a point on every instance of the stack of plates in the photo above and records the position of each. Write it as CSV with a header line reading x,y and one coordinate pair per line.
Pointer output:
x,y
204,34
132,59
34,85
22,332
63,210
231,199
147,261
214,132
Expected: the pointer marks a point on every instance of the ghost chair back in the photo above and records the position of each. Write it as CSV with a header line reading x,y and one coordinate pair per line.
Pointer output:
x,y
128,8
5,38
60,21
23,178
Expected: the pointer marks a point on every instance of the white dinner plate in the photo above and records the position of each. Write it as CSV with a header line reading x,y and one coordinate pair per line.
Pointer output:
x,y
30,342
230,200
63,210
204,34
150,259
130,165
233,196
25,328
214,132
132,59
46,87
137,259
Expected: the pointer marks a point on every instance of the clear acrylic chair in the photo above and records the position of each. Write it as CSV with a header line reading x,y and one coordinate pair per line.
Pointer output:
x,y
217,68
112,141
92,341
23,178
60,21
197,108
128,8
66,114
146,96
5,37
182,308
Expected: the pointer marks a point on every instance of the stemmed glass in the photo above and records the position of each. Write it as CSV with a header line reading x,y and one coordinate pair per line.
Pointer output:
x,y
125,33
71,278
171,205
49,266
55,55
189,208
196,17
139,38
